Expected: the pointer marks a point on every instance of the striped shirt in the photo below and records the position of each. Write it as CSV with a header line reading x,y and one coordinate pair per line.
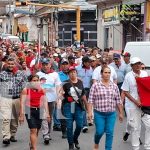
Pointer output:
x,y
104,99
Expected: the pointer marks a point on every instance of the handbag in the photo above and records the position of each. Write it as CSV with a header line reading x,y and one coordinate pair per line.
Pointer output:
x,y
80,101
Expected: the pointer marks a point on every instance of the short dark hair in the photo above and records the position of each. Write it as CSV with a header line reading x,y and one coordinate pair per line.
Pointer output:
x,y
32,76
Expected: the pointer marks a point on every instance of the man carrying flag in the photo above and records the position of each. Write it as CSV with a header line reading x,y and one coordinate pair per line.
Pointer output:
x,y
133,104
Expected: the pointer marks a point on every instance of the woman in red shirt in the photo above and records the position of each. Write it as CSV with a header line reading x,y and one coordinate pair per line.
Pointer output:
x,y
35,102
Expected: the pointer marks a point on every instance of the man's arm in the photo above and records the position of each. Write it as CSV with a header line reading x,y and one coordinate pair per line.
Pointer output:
x,y
136,102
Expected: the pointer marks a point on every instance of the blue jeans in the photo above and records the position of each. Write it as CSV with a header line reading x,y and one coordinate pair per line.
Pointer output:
x,y
55,119
84,119
104,123
71,116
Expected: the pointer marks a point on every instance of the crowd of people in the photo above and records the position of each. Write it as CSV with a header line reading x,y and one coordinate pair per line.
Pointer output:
x,y
58,86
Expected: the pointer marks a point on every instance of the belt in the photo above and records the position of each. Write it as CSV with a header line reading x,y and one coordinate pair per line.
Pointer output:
x,y
11,97
33,108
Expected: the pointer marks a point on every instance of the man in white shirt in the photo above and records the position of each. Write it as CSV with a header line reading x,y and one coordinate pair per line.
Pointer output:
x,y
133,105
52,86
97,72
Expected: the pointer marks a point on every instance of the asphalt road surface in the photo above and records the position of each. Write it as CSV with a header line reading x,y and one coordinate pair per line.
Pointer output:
x,y
57,143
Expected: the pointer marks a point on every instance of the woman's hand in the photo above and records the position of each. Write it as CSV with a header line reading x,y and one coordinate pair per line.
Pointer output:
x,y
121,117
21,119
48,118
90,116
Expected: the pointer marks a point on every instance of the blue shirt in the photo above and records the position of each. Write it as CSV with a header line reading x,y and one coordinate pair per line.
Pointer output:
x,y
121,71
85,75
63,76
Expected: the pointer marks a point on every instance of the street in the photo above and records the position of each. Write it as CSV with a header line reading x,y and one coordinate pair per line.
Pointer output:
x,y
86,140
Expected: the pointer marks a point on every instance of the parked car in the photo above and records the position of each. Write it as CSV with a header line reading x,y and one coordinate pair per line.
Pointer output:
x,y
13,39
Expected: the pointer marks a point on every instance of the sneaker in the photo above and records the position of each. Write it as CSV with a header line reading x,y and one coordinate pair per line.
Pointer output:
x,y
55,128
125,137
64,135
140,141
71,147
46,141
76,143
6,141
12,139
85,129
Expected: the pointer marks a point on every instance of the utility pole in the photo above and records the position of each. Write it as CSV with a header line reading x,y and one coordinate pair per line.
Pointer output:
x,y
77,8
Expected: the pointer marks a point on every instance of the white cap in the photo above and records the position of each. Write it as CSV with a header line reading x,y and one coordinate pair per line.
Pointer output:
x,y
93,58
98,56
135,60
55,54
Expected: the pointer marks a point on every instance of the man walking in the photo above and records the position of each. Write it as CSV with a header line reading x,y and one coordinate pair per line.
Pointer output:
x,y
12,81
134,114
52,87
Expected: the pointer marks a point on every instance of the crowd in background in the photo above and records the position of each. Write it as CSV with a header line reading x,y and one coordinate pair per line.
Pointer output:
x,y
67,74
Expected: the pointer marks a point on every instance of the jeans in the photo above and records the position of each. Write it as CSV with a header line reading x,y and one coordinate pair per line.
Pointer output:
x,y
84,119
104,123
73,112
55,119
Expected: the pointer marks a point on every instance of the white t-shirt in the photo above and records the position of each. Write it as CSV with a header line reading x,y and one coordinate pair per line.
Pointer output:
x,y
97,73
78,61
130,85
52,80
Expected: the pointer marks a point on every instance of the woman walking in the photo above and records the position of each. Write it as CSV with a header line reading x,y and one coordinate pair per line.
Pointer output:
x,y
104,97
74,97
34,101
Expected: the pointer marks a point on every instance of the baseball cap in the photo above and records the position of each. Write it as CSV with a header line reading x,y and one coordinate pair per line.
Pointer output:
x,y
98,56
77,50
45,60
71,68
64,61
135,60
86,59
55,55
92,58
29,50
126,54
116,56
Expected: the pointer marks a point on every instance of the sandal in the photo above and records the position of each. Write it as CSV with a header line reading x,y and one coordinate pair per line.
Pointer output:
x,y
31,147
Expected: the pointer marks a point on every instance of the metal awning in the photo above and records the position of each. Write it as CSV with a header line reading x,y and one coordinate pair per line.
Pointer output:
x,y
105,3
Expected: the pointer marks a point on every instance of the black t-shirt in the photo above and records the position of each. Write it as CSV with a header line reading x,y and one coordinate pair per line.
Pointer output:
x,y
70,93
